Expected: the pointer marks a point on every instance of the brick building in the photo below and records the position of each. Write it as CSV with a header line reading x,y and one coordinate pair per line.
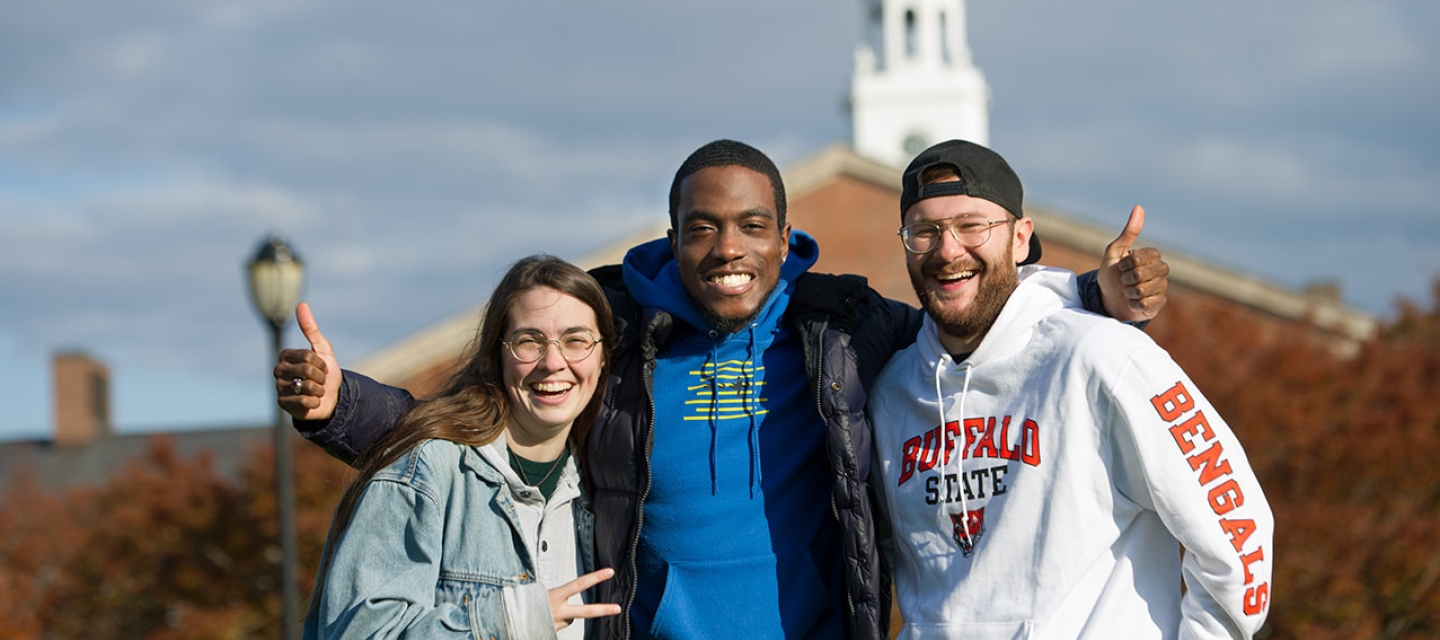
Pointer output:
x,y
850,205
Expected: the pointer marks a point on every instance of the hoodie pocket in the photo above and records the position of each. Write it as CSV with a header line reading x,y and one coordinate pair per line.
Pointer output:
x,y
736,598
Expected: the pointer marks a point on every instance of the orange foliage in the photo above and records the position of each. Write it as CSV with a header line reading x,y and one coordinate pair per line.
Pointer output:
x,y
168,548
1346,451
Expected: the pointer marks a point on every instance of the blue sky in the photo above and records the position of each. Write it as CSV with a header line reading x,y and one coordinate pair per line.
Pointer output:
x,y
410,151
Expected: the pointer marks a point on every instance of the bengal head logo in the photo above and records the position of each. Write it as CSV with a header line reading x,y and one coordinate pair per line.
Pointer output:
x,y
968,529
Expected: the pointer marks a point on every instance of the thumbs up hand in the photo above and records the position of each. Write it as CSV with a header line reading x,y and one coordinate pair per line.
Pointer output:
x,y
1133,283
307,381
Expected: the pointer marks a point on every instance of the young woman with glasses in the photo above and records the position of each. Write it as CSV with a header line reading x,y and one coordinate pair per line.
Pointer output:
x,y
469,519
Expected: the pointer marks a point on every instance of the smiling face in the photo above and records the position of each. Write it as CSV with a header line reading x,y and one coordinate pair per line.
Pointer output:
x,y
729,243
547,395
964,288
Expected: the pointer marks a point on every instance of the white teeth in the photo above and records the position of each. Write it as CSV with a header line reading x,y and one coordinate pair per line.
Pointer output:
x,y
960,275
552,387
732,280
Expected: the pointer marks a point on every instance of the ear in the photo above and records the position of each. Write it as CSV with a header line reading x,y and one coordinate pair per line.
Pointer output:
x,y
1020,244
785,238
670,234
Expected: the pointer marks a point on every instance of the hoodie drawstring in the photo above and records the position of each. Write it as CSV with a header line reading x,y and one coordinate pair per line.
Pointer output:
x,y
940,407
744,387
712,364
748,382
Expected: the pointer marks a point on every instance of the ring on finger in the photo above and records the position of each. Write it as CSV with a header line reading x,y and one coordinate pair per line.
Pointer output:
x,y
296,385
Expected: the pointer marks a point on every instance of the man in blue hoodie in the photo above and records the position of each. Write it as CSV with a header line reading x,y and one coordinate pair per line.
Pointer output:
x,y
730,466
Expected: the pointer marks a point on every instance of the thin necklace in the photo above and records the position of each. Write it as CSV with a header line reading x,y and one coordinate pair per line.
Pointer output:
x,y
521,468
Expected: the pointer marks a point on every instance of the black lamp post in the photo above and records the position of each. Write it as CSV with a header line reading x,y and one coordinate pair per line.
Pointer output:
x,y
276,276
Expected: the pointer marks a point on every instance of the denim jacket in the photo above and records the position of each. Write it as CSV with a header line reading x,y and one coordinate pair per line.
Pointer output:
x,y
437,549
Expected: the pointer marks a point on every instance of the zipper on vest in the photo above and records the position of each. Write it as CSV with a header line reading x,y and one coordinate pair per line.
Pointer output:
x,y
649,445
819,377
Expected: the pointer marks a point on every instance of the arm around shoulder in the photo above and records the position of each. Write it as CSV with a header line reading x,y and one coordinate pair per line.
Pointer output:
x,y
878,326
342,411
365,412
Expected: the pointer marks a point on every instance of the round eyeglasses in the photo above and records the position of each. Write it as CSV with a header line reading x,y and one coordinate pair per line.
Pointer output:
x,y
531,347
923,237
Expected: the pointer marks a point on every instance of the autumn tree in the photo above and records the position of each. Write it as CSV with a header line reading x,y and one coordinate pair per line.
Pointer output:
x,y
1345,449
169,548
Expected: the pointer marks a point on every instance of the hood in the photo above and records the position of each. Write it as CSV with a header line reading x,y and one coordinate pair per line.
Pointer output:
x,y
1042,292
652,277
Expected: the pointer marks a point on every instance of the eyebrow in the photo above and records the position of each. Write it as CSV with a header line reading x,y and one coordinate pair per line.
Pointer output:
x,y
977,216
711,216
567,331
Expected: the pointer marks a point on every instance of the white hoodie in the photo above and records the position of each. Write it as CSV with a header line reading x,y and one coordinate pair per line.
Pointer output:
x,y
1075,461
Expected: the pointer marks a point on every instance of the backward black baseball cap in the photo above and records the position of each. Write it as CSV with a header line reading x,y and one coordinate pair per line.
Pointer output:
x,y
983,174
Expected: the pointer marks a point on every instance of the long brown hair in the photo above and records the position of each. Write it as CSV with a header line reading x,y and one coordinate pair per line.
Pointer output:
x,y
473,408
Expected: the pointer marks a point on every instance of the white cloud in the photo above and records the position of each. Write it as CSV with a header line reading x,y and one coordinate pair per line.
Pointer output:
x,y
409,152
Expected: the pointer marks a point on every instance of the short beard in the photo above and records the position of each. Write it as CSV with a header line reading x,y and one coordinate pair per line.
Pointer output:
x,y
727,326
966,324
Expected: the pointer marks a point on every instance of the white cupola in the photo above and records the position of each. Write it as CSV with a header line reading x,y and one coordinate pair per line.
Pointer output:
x,y
914,84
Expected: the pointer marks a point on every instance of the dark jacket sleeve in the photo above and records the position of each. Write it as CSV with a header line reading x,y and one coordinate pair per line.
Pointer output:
x,y
889,326
366,411
1090,296
1094,300
878,326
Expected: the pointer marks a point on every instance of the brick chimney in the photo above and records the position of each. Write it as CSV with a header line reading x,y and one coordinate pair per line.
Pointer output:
x,y
82,399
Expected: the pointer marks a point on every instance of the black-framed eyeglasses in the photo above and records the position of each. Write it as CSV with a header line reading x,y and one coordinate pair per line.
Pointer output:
x,y
530,347
923,237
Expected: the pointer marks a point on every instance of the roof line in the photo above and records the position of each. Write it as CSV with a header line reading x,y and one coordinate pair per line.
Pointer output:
x,y
414,355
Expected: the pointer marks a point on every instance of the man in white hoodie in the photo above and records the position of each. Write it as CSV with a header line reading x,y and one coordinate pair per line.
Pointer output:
x,y
1049,473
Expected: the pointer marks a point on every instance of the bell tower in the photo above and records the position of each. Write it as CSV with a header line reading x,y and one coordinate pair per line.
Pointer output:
x,y
914,83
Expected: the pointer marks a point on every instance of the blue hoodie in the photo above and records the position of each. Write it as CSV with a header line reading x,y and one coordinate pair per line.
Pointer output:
x,y
737,540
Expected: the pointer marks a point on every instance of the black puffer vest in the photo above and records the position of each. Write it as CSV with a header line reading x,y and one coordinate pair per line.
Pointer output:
x,y
849,331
